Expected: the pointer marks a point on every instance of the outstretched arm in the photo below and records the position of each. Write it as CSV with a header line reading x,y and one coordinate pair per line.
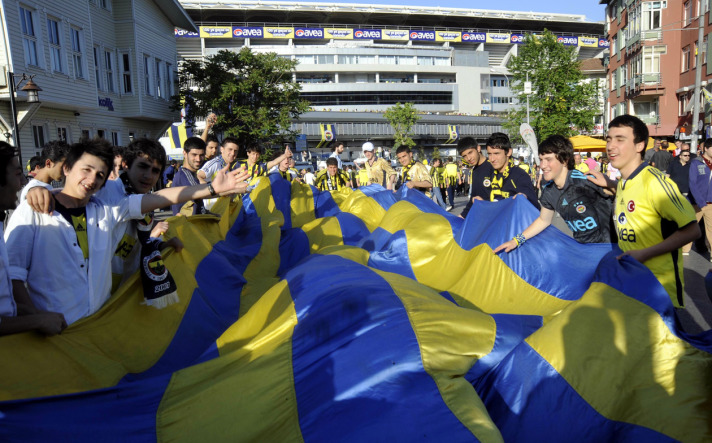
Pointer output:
x,y
225,182
538,225
209,122
278,160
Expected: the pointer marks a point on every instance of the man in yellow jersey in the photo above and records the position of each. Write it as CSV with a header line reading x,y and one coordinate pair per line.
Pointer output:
x,y
579,164
452,174
379,170
436,177
653,219
332,178
414,174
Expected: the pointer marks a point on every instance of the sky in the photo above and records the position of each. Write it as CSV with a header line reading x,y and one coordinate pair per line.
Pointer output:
x,y
593,11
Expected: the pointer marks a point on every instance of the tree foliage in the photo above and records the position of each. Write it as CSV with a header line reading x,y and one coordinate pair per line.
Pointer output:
x,y
561,102
252,94
402,118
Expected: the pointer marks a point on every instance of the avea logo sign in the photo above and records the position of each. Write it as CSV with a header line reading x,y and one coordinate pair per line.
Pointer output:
x,y
185,34
371,34
603,43
396,34
422,35
568,41
309,33
474,37
517,38
247,32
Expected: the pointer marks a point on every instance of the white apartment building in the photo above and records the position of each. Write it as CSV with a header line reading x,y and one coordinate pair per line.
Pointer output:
x,y
107,68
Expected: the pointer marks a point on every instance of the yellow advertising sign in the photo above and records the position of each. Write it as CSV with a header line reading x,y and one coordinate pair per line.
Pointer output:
x,y
588,42
395,34
216,31
448,36
277,32
496,37
339,33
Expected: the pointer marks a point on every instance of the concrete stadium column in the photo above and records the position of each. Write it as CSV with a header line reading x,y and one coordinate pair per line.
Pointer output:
x,y
415,78
378,77
336,77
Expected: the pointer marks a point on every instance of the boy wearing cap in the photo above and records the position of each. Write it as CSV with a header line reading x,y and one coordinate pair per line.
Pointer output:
x,y
379,170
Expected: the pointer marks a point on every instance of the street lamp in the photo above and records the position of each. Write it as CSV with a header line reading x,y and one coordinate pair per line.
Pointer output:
x,y
32,97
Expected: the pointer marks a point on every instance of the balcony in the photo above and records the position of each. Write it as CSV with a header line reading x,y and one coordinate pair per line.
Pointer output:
x,y
645,84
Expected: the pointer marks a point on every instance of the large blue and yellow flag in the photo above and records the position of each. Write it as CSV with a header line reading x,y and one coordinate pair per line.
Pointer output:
x,y
369,316
328,134
178,134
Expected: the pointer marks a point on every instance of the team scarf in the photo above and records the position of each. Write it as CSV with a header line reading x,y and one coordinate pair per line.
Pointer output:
x,y
404,174
159,288
499,178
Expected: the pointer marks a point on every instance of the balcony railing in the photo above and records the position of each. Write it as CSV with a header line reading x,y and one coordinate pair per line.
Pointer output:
x,y
643,81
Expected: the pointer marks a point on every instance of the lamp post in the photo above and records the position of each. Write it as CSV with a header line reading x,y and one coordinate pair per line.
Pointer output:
x,y
32,97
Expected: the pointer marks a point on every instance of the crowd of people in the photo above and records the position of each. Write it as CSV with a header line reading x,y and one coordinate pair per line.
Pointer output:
x,y
96,223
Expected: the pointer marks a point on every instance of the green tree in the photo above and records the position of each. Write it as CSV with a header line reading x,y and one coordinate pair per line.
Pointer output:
x,y
252,94
402,118
436,153
561,102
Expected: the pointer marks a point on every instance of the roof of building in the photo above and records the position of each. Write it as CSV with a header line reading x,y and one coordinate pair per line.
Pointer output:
x,y
592,65
273,12
176,14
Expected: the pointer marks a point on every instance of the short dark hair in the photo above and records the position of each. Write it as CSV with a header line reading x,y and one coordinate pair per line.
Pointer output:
x,y
7,152
35,162
708,143
402,148
145,147
252,148
227,140
193,143
97,147
499,140
336,145
640,130
449,159
54,151
331,161
212,138
561,147
465,144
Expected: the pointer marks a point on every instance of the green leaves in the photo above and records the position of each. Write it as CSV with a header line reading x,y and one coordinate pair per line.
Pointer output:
x,y
252,94
402,118
562,102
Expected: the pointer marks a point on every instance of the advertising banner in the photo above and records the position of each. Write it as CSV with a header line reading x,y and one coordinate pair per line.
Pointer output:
x,y
517,39
182,33
247,32
339,33
308,33
216,31
367,34
567,40
395,34
588,42
422,36
497,37
448,36
474,37
278,32
603,43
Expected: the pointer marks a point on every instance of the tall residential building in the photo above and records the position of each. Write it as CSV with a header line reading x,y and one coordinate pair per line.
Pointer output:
x,y
653,63
106,68
357,60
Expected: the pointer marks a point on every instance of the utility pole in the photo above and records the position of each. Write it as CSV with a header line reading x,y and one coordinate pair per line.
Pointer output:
x,y
698,82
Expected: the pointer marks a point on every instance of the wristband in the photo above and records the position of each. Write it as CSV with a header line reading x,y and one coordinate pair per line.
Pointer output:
x,y
212,190
520,239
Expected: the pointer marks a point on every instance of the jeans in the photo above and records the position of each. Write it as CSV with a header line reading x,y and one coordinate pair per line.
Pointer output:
x,y
438,197
451,194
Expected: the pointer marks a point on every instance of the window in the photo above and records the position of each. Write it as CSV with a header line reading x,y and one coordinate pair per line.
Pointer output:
x,y
406,60
115,138
55,45
324,59
105,4
170,76
651,59
160,91
645,109
126,74
348,59
687,13
109,71
100,133
38,134
305,59
614,80
62,134
685,58
97,69
147,75
387,59
652,14
29,38
614,45
132,136
426,61
77,37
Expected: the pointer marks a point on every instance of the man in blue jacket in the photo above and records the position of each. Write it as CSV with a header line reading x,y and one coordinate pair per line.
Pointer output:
x,y
701,187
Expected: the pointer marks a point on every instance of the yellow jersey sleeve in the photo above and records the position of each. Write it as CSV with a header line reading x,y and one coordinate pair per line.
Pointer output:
x,y
668,201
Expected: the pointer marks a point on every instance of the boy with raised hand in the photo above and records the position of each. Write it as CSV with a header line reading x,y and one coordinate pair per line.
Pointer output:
x,y
585,207
16,315
64,257
653,219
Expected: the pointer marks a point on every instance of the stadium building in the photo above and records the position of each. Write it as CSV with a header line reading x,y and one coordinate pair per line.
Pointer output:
x,y
357,60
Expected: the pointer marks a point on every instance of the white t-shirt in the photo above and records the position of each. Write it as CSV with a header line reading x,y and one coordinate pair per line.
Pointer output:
x,y
309,178
7,302
32,184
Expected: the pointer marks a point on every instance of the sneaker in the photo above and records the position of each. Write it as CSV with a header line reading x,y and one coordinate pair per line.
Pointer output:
x,y
449,208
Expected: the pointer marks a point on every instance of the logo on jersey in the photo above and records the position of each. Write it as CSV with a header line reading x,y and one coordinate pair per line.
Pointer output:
x,y
630,206
580,209
586,224
622,219
486,183
564,203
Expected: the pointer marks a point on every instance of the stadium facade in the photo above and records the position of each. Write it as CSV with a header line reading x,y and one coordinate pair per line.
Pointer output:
x,y
356,60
